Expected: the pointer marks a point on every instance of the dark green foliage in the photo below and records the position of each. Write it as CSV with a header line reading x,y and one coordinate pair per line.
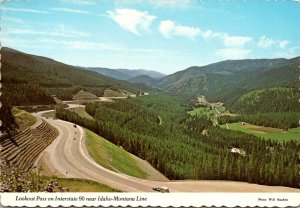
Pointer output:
x,y
180,149
271,107
6,117
25,94
277,99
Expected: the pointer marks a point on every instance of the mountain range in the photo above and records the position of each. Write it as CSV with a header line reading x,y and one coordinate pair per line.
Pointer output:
x,y
224,81
125,74
228,80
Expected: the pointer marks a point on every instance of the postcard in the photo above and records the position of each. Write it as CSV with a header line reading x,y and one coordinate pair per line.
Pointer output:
x,y
150,103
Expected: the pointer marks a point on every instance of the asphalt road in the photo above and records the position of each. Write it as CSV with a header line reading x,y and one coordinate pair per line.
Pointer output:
x,y
67,156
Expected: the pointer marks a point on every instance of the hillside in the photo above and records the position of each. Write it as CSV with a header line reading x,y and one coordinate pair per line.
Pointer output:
x,y
143,79
30,79
23,148
84,95
236,76
138,72
109,72
278,99
117,159
125,74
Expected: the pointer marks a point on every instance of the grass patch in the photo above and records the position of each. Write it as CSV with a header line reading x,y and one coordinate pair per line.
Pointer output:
x,y
219,109
23,119
111,156
22,114
81,185
265,132
202,111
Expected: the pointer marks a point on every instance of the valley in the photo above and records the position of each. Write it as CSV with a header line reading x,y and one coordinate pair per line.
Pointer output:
x,y
89,169
189,131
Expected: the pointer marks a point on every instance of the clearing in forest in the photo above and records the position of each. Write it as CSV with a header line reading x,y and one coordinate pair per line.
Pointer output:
x,y
265,132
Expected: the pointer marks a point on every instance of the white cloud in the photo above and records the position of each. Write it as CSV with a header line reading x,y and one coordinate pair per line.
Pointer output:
x,y
58,31
233,53
69,10
283,43
236,41
81,2
13,9
187,31
131,19
228,40
168,29
211,34
265,42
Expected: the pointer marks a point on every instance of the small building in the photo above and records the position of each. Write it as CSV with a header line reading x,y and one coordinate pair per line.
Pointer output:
x,y
238,151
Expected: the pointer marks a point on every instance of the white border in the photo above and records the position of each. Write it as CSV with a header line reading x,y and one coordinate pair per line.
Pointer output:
x,y
150,199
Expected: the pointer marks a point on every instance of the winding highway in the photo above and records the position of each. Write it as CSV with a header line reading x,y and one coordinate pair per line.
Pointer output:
x,y
67,156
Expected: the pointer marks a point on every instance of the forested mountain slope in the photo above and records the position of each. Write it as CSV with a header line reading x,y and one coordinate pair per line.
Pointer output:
x,y
29,79
32,80
144,79
109,72
230,79
276,107
138,72
278,99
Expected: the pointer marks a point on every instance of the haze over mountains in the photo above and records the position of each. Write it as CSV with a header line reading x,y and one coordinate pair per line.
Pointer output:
x,y
125,74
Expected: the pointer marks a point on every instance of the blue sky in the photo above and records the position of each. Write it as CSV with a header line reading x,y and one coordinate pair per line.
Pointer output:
x,y
161,35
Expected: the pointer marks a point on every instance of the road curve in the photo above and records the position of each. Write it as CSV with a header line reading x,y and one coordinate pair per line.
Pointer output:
x,y
67,157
